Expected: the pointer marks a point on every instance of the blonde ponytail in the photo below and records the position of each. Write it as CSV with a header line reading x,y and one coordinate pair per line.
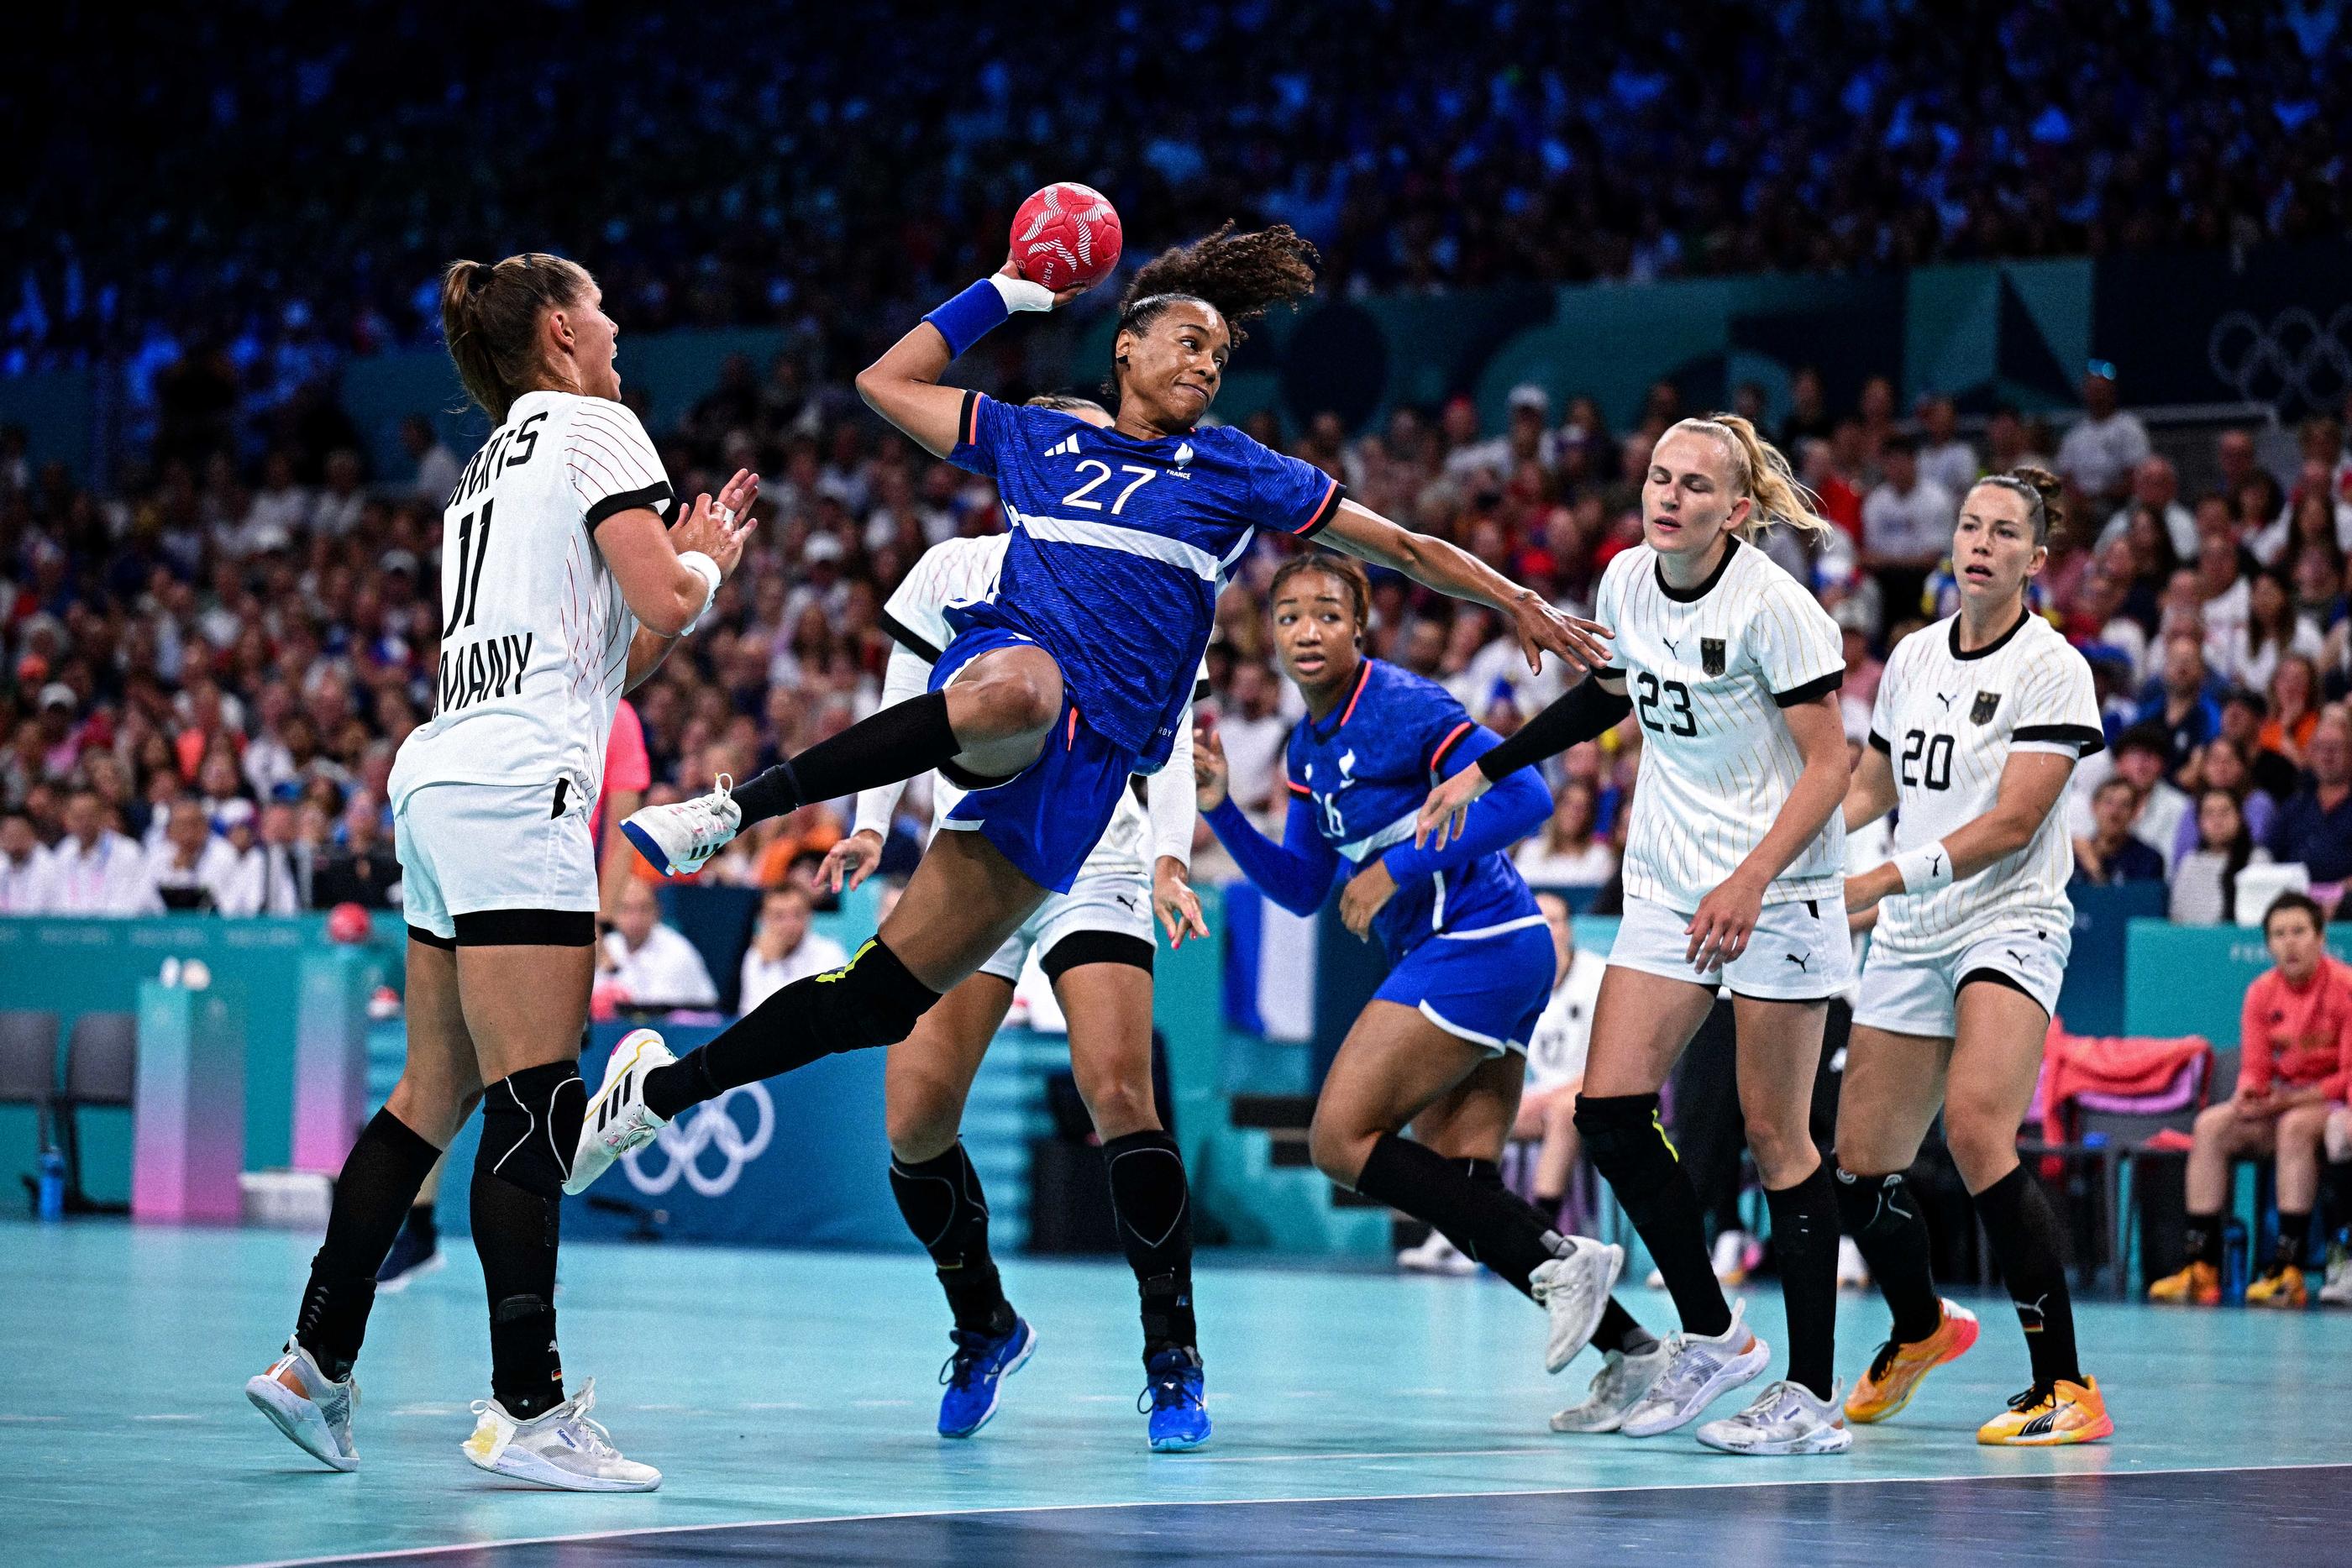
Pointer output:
x,y
1760,473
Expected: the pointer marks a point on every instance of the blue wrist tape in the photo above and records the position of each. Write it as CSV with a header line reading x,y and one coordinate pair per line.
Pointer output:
x,y
966,318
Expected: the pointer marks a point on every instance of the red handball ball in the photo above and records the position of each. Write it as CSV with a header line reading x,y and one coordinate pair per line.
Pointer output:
x,y
1067,235
347,923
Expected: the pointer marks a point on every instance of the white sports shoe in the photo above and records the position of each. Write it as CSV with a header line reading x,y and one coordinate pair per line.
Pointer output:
x,y
2337,1290
559,1447
677,838
1703,1368
309,1406
1784,1419
1573,1289
618,1119
1436,1256
1617,1387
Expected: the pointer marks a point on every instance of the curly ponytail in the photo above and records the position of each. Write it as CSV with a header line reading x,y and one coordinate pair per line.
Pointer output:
x,y
1760,473
1240,277
2044,497
490,319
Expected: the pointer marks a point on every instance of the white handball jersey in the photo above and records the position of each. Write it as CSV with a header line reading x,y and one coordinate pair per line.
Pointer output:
x,y
960,572
535,635
1708,670
1948,723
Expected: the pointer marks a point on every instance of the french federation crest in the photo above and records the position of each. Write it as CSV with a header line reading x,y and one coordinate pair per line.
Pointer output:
x,y
1710,654
1983,711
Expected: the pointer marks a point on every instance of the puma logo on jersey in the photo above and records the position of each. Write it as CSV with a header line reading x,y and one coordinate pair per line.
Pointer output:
x,y
2014,956
490,667
1672,646
1946,701
1805,964
1066,448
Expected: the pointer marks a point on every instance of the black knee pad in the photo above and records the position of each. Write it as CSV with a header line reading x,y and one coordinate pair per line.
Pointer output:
x,y
1622,1134
874,999
1873,1205
530,1125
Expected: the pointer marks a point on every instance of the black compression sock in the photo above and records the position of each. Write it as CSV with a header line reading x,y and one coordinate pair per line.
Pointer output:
x,y
2202,1239
873,1000
1622,1333
1486,1223
1805,1235
2336,1181
516,1235
379,1182
1619,1330
2031,1252
902,741
946,1208
421,1221
1632,1155
1882,1216
2293,1240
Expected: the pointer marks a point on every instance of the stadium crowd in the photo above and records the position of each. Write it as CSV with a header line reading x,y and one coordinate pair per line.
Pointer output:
x,y
840,167
212,669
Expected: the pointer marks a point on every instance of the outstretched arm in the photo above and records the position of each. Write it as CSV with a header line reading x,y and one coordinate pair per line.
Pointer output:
x,y
1591,708
1431,562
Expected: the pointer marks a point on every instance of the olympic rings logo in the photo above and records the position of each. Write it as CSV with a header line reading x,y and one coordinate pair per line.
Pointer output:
x,y
2295,353
711,1126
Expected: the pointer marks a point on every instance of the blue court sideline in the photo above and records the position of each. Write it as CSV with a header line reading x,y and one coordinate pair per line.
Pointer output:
x,y
789,1397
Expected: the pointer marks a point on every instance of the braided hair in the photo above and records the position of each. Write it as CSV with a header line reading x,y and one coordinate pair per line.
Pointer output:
x,y
1238,275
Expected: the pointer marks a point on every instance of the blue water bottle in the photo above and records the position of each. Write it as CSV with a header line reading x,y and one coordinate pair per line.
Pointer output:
x,y
52,1202
2233,1261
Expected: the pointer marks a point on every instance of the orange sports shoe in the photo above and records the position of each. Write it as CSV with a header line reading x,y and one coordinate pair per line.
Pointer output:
x,y
2048,1415
2285,1290
2198,1285
1895,1371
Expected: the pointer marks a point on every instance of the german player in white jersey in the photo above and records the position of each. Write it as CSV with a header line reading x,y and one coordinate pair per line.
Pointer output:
x,y
1734,877
1095,944
1979,721
561,585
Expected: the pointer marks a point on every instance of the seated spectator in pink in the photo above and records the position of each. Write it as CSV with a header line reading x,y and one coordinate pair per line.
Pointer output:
x,y
2295,1060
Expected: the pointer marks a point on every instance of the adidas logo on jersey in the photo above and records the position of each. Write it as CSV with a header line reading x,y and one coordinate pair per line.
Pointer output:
x,y
1066,448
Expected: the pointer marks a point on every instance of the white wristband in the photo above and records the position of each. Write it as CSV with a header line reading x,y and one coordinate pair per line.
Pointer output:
x,y
703,567
1925,869
1019,294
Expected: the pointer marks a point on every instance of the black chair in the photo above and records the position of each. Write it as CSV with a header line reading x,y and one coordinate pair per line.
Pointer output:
x,y
101,1069
28,1067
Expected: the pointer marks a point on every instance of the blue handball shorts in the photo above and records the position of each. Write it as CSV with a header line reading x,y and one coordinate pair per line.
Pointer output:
x,y
1487,990
1048,818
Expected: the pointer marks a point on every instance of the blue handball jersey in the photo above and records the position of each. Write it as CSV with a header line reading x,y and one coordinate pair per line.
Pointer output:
x,y
1119,547
1366,770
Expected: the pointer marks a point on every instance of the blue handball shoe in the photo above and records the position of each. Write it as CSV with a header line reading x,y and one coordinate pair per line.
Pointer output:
x,y
1178,1408
980,1361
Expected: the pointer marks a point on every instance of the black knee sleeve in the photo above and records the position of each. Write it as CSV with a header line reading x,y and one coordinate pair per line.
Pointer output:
x,y
530,1125
874,999
1627,1142
1152,1203
1873,1207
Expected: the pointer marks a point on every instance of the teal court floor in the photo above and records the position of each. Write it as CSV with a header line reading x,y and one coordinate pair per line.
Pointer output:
x,y
1360,1418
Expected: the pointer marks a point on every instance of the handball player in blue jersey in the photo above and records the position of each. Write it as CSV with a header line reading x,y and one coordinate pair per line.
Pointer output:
x,y
1443,1045
1064,681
